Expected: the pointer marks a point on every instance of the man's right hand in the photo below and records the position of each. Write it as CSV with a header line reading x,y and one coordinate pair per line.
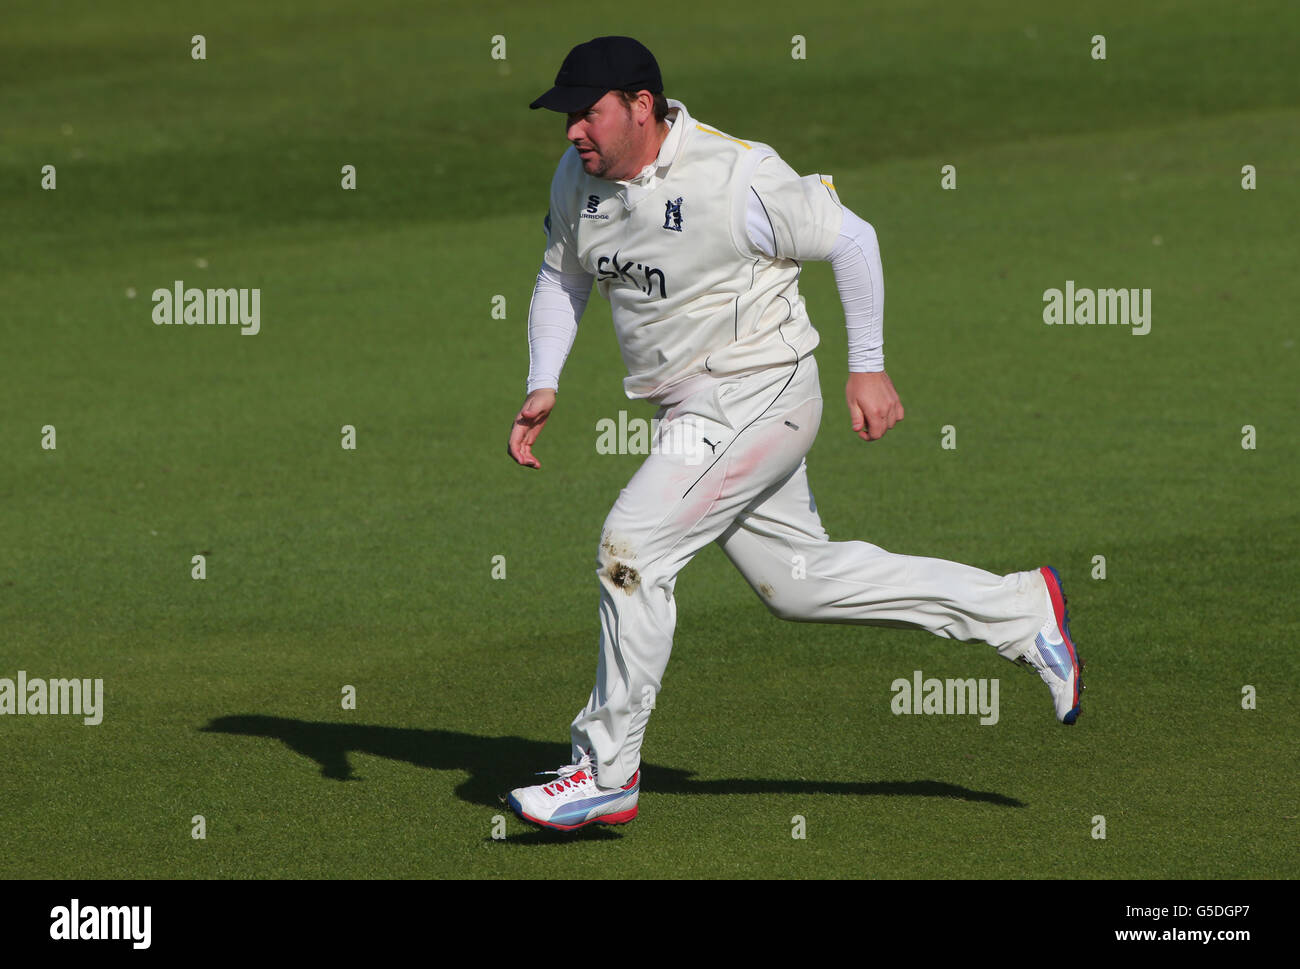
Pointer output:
x,y
528,424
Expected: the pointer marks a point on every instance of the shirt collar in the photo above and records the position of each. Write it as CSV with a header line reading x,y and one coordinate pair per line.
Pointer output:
x,y
652,174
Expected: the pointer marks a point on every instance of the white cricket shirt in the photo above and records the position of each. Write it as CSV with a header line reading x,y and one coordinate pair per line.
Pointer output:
x,y
690,292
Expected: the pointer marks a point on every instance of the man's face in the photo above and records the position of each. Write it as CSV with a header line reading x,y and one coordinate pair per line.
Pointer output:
x,y
605,136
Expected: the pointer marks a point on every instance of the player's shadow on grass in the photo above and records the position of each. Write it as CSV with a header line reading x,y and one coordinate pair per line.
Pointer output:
x,y
498,764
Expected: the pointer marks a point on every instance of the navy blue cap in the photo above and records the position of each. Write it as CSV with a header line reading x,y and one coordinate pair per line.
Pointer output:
x,y
601,65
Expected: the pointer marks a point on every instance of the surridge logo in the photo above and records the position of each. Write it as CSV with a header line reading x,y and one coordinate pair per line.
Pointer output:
x,y
591,211
622,272
673,214
102,923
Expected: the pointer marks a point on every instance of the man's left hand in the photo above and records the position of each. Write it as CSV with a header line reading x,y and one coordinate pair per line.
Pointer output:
x,y
873,404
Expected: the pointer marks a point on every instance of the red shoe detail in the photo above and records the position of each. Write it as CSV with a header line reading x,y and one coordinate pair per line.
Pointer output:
x,y
1058,600
622,817
1057,596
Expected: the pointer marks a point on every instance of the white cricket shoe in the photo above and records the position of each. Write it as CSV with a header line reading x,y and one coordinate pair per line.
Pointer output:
x,y
1052,654
575,801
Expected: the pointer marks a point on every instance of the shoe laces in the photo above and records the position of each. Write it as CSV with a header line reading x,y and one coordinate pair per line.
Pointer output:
x,y
569,776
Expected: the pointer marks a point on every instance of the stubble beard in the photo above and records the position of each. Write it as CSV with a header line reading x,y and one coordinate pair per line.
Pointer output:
x,y
614,156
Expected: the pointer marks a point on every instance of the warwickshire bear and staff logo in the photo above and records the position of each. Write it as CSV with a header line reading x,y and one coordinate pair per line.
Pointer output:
x,y
673,215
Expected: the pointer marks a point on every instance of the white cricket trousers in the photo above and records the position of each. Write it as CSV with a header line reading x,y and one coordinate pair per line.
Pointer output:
x,y
728,467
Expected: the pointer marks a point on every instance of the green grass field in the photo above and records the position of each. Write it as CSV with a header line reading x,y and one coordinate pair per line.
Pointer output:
x,y
372,567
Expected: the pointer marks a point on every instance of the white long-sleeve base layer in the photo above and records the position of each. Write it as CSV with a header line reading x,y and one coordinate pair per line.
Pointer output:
x,y
728,467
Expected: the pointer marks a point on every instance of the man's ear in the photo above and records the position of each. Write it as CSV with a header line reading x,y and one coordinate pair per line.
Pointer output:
x,y
645,103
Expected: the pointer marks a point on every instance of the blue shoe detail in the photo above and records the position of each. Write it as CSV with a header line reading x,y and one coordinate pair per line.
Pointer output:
x,y
1061,658
578,811
1056,656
